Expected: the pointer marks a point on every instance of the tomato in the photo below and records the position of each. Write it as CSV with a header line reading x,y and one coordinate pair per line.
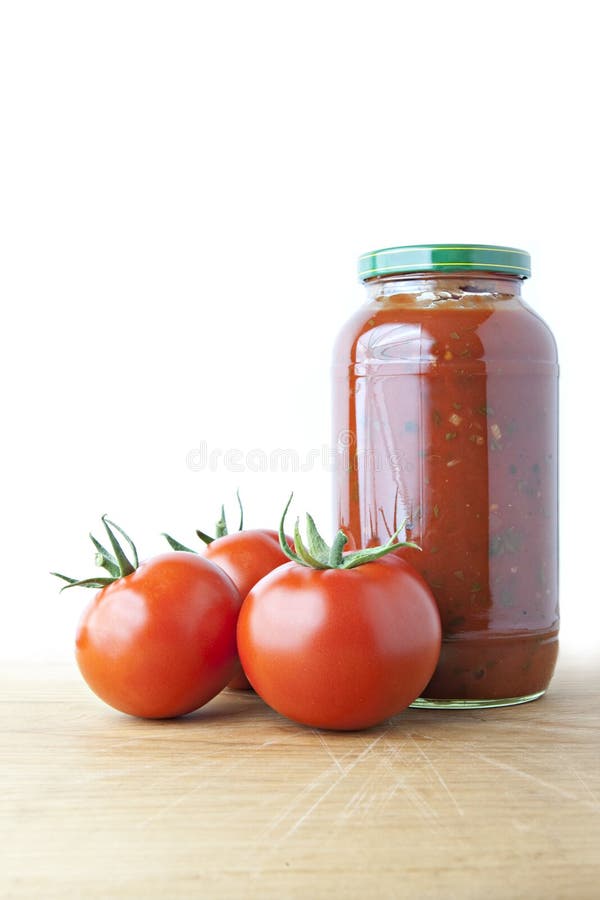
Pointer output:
x,y
246,556
160,640
334,643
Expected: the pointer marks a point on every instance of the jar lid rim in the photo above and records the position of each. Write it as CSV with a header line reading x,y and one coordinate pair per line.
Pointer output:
x,y
444,258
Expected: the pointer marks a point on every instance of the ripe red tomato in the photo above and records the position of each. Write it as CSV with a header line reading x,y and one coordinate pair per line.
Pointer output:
x,y
341,648
246,556
160,642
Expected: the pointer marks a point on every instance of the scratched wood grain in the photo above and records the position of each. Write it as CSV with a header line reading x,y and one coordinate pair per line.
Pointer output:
x,y
236,802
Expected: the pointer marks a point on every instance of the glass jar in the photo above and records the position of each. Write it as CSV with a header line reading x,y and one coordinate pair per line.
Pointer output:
x,y
445,419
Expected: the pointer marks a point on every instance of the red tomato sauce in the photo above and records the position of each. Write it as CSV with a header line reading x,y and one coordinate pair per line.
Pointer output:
x,y
445,415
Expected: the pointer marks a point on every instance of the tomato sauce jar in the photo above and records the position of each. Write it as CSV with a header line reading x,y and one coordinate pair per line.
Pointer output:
x,y
445,423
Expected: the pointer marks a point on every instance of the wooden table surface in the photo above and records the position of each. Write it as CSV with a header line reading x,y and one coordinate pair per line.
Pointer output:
x,y
235,801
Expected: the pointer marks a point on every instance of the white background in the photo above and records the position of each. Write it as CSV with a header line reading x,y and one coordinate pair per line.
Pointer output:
x,y
185,188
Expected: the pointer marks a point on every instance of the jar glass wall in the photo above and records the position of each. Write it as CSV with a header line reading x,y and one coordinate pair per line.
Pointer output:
x,y
445,417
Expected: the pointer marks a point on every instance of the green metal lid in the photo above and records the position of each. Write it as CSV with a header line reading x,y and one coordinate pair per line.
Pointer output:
x,y
444,258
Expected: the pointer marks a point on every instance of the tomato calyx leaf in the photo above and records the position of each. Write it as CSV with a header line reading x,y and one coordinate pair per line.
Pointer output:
x,y
95,583
307,557
175,544
317,554
317,545
125,567
220,530
370,554
117,564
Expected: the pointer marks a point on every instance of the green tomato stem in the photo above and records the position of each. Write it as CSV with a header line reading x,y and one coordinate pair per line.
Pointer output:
x,y
117,565
336,554
220,530
318,555
221,526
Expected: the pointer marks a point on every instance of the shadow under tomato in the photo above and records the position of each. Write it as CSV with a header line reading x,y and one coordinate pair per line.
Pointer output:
x,y
227,705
